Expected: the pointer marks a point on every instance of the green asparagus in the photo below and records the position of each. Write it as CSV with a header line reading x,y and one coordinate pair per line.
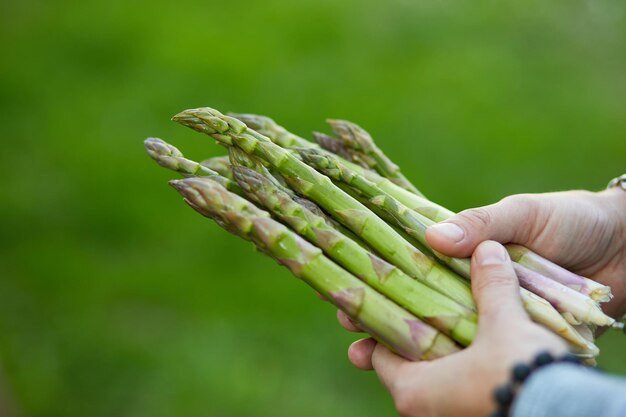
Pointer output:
x,y
388,323
427,304
319,188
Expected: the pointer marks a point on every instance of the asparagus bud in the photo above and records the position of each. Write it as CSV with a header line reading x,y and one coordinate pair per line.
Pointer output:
x,y
338,148
168,156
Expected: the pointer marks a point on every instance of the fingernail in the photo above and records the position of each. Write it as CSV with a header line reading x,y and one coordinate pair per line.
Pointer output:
x,y
490,253
449,231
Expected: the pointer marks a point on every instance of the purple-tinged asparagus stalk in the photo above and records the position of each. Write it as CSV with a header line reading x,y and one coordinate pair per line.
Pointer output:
x,y
575,307
539,264
385,321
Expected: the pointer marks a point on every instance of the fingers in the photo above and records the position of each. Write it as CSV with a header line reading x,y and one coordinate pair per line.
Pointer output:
x,y
388,366
506,221
360,353
495,287
346,322
367,354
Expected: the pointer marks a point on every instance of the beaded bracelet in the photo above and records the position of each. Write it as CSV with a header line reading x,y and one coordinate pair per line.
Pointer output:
x,y
505,394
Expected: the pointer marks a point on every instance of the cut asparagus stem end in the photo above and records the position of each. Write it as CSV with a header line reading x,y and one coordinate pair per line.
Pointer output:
x,y
537,263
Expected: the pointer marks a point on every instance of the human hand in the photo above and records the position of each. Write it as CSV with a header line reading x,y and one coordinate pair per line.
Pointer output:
x,y
582,231
462,384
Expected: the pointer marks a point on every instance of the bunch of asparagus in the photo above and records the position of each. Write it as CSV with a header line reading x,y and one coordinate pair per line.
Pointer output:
x,y
341,216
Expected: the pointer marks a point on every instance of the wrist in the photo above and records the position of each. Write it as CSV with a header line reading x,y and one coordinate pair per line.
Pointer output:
x,y
616,202
504,395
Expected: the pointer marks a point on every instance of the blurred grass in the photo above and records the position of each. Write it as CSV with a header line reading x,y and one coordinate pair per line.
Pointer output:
x,y
116,299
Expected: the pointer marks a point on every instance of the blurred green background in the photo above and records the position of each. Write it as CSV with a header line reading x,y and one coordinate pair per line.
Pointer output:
x,y
116,299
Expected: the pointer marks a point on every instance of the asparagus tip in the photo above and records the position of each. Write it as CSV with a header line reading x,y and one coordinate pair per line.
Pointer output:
x,y
208,120
158,147
179,185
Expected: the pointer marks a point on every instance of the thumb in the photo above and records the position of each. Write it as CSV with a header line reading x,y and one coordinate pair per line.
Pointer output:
x,y
495,287
506,221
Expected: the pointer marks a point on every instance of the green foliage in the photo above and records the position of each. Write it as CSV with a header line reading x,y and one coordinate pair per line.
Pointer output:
x,y
117,299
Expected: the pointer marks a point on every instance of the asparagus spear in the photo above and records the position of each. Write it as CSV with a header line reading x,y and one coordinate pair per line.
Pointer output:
x,y
577,307
542,312
219,164
319,188
384,320
170,157
539,264
426,303
356,138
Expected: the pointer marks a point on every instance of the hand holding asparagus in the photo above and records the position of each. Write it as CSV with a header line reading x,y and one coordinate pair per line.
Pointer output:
x,y
342,217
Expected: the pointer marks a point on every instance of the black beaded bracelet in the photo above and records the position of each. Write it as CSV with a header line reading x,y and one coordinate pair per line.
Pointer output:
x,y
504,395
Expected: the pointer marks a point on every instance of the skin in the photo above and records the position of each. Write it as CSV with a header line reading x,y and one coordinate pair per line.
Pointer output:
x,y
582,231
585,232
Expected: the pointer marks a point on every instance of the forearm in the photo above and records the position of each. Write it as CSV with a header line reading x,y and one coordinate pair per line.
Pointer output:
x,y
565,390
